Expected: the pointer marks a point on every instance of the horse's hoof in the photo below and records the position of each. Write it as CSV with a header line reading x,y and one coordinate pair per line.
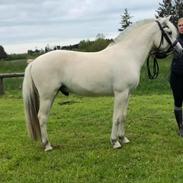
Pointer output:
x,y
116,144
48,148
123,140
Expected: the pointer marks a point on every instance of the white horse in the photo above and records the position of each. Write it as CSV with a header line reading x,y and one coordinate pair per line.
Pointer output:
x,y
114,71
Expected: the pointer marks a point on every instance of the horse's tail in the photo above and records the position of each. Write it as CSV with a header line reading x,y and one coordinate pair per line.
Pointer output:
x,y
31,104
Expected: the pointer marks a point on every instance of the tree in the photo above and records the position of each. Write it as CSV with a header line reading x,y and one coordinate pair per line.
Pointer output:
x,y
166,8
47,48
3,54
125,20
178,8
171,7
58,47
100,36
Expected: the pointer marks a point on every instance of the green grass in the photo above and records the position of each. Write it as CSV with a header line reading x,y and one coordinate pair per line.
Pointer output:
x,y
80,132
12,84
12,66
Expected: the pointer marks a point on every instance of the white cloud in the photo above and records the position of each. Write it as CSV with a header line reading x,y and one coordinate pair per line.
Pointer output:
x,y
35,21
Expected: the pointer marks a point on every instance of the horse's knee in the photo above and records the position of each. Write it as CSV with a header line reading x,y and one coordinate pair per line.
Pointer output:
x,y
42,119
117,121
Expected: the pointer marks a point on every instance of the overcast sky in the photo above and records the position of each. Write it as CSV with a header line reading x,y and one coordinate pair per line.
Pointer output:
x,y
30,24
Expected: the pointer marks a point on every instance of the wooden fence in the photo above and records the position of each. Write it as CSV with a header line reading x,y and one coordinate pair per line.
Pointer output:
x,y
7,75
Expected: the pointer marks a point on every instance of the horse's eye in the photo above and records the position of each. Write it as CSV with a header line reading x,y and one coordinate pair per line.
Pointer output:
x,y
170,33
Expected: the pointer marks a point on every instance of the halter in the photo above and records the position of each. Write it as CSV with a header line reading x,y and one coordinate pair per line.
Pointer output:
x,y
164,35
159,54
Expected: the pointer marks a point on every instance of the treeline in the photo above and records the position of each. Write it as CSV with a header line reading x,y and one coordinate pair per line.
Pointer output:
x,y
89,46
84,45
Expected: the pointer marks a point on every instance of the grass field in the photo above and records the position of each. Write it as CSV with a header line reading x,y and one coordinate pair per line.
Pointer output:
x,y
80,131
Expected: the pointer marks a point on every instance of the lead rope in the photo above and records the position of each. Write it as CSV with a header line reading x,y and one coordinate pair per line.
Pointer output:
x,y
155,70
152,74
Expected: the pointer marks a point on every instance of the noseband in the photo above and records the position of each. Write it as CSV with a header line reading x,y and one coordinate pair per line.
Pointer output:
x,y
164,35
157,54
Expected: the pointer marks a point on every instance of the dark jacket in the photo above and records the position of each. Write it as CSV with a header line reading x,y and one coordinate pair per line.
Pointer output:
x,y
177,62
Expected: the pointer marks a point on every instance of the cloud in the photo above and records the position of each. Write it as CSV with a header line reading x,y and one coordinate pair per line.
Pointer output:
x,y
26,21
34,11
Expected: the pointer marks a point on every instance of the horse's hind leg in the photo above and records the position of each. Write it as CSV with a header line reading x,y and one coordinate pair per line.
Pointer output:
x,y
118,132
44,109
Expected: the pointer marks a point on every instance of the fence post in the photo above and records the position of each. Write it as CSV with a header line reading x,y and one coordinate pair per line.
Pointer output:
x,y
1,86
8,75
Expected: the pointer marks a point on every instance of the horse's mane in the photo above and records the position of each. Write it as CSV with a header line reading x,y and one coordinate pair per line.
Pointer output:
x,y
130,29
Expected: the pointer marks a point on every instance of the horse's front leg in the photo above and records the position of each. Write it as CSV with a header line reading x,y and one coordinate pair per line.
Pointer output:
x,y
120,107
121,128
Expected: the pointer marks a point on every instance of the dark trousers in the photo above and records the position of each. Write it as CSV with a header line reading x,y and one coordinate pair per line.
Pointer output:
x,y
176,83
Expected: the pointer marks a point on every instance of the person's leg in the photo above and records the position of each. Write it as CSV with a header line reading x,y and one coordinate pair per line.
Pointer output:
x,y
177,89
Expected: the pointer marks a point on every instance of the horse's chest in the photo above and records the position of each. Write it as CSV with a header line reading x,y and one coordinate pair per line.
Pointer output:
x,y
126,80
133,80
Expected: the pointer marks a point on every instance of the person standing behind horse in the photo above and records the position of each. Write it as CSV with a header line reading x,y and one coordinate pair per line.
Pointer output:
x,y
176,81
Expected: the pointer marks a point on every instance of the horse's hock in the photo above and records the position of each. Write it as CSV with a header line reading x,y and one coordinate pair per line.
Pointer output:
x,y
7,75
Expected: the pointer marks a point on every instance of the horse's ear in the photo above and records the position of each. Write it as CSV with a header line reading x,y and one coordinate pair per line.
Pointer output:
x,y
164,19
168,17
161,19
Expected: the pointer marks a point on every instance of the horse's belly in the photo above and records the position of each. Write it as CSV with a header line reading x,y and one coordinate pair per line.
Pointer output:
x,y
89,80
90,89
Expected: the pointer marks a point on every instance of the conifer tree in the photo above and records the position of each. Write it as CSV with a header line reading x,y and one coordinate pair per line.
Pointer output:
x,y
165,8
171,7
3,54
125,20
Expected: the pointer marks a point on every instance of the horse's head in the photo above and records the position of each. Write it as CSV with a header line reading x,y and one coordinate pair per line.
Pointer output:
x,y
166,36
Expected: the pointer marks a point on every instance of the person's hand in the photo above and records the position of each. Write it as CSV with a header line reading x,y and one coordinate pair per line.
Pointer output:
x,y
178,50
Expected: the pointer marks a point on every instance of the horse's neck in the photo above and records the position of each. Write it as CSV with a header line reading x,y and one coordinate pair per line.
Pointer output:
x,y
139,44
